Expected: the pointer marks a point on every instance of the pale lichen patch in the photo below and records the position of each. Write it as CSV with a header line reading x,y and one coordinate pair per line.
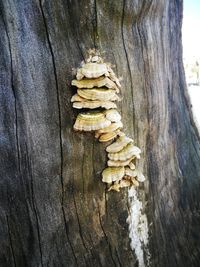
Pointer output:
x,y
138,228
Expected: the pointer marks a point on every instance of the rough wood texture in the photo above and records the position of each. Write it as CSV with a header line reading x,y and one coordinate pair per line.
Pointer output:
x,y
54,209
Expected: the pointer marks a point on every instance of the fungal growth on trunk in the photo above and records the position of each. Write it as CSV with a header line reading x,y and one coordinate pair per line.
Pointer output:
x,y
97,93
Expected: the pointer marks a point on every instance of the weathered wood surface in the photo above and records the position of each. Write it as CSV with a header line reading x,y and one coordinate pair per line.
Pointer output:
x,y
54,209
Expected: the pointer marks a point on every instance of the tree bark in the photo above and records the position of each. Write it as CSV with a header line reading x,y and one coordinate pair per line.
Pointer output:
x,y
55,211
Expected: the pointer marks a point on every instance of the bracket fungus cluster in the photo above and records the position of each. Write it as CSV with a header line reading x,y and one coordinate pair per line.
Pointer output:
x,y
97,93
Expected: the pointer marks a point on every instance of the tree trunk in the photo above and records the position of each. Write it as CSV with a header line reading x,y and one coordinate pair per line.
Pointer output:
x,y
55,211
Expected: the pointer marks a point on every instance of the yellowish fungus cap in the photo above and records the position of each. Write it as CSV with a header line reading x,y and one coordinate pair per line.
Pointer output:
x,y
113,127
98,94
92,70
113,115
91,121
77,98
131,166
111,174
94,104
97,82
107,136
118,163
119,144
139,176
127,152
130,172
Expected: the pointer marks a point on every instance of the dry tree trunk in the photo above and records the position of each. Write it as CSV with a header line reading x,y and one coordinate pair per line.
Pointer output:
x,y
55,211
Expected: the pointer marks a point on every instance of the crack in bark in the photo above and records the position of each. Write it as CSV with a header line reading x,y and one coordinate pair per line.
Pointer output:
x,y
80,49
144,68
106,238
79,226
95,25
82,171
14,94
93,148
118,258
98,258
72,26
106,202
126,54
139,17
18,149
34,206
10,240
60,124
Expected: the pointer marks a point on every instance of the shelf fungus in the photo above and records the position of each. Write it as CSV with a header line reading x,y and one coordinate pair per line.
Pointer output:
x,y
97,82
111,174
91,121
120,162
112,127
97,93
119,144
109,136
92,70
113,115
126,153
94,104
102,94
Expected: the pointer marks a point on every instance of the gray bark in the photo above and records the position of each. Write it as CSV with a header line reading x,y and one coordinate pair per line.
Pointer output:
x,y
54,209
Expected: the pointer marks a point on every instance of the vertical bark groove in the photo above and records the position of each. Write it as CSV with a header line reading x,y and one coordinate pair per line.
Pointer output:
x,y
60,130
96,36
125,50
10,240
14,95
106,238
79,226
35,209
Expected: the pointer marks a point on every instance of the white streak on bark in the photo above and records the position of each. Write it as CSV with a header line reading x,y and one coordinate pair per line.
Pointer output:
x,y
138,228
